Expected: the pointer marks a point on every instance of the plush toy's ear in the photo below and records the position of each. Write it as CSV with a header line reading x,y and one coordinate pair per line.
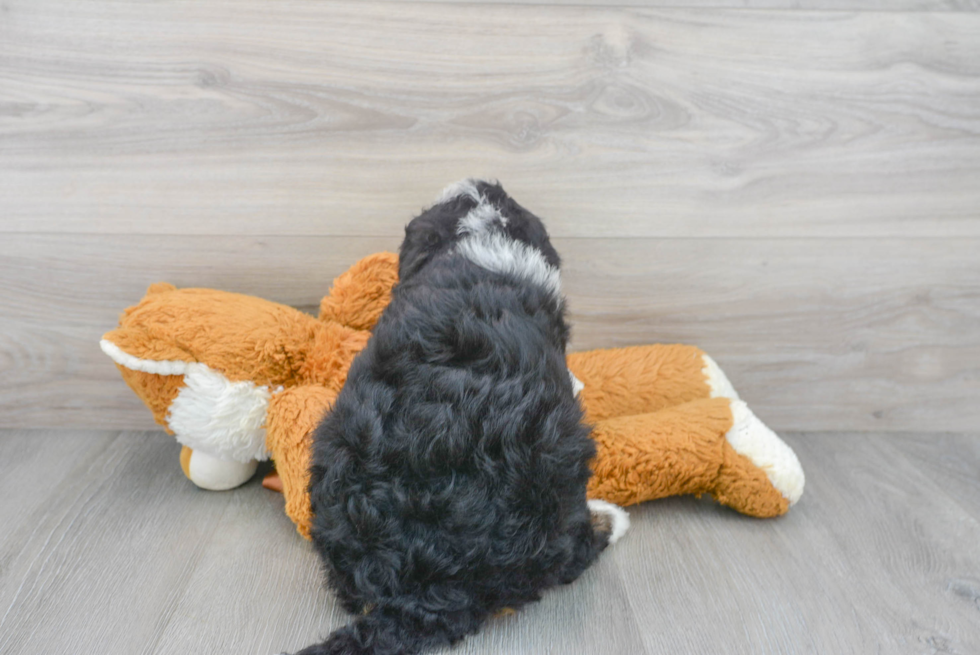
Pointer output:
x,y
242,337
135,340
360,295
160,287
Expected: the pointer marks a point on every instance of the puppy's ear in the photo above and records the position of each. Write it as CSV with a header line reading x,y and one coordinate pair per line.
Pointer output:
x,y
409,254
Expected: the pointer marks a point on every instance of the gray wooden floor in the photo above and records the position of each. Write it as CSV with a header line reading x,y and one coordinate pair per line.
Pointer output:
x,y
106,548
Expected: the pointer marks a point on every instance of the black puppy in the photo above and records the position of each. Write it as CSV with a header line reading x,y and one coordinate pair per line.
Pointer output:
x,y
448,481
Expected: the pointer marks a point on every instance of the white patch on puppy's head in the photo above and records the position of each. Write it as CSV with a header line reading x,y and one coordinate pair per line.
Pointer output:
x,y
465,187
485,242
497,252
480,219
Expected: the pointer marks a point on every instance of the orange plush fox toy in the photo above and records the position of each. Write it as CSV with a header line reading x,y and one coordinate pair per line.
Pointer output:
x,y
238,379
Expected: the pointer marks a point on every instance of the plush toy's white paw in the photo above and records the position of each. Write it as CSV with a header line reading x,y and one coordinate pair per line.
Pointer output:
x,y
215,474
618,516
752,438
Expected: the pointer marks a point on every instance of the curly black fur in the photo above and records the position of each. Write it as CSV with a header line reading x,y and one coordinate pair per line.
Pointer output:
x,y
448,481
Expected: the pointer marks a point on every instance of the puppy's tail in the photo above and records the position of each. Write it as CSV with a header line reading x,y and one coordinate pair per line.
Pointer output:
x,y
399,627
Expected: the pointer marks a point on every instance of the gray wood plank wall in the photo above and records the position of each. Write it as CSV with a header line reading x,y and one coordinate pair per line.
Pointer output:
x,y
796,191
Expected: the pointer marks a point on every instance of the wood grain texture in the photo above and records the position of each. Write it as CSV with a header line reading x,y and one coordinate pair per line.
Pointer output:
x,y
114,548
98,566
717,177
874,558
815,334
35,464
950,461
125,556
809,5
322,118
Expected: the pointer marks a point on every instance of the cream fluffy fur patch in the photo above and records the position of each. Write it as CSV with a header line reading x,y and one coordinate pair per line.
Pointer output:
x,y
221,417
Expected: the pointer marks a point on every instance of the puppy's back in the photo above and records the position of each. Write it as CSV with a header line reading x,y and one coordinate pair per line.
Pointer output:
x,y
449,479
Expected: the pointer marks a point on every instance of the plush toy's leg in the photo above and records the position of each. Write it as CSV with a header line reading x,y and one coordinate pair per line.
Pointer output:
x,y
714,446
207,471
643,379
293,415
